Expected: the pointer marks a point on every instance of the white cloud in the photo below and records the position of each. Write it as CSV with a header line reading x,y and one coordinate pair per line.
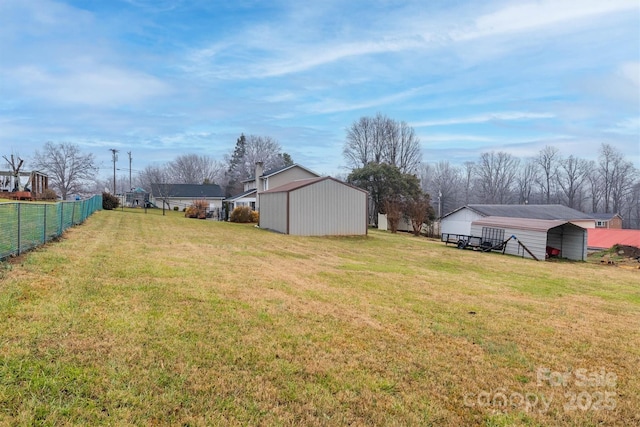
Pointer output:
x,y
483,118
524,17
102,86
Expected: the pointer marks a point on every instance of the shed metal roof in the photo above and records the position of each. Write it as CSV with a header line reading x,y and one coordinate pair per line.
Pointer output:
x,y
522,223
548,212
294,185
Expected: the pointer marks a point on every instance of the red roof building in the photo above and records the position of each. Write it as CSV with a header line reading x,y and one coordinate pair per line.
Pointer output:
x,y
604,238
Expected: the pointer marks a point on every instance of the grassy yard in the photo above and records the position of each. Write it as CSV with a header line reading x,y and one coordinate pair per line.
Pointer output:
x,y
145,319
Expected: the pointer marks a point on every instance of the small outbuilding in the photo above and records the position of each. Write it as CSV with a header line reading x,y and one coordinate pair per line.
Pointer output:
x,y
459,221
321,206
537,238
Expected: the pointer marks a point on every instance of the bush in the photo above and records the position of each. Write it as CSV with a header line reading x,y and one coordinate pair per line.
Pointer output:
x,y
255,216
175,208
243,214
49,194
109,201
197,210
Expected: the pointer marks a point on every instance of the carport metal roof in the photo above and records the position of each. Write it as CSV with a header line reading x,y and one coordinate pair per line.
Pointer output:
x,y
521,223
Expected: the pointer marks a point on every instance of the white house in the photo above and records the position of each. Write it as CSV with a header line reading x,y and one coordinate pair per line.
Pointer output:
x,y
183,195
265,181
321,206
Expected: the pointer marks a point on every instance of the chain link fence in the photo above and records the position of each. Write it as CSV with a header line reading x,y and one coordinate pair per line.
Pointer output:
x,y
23,226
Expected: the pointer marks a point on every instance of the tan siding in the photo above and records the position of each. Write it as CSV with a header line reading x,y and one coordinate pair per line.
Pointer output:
x,y
273,211
288,176
327,208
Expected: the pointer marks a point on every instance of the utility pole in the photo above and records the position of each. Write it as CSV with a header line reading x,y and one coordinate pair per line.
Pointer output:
x,y
114,156
130,187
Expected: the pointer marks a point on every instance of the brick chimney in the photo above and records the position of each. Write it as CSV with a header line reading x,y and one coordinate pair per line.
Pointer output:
x,y
259,184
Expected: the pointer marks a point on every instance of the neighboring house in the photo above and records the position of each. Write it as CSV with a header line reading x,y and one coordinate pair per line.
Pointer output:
x,y
183,195
603,238
459,221
321,206
607,220
538,236
265,181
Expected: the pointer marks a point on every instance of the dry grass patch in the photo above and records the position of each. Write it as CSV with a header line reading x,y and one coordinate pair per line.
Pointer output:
x,y
140,318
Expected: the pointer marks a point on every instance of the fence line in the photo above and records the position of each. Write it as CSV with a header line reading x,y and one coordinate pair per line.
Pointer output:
x,y
24,226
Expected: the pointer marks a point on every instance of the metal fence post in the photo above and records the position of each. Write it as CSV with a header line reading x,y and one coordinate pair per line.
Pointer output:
x,y
44,229
19,227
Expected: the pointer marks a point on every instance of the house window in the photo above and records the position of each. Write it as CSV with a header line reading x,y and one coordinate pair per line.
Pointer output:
x,y
601,224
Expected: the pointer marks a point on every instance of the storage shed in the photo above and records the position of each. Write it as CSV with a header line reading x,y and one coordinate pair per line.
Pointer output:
x,y
537,235
459,221
321,206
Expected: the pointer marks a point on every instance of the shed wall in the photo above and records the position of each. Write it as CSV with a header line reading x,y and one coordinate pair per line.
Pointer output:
x,y
459,222
273,211
327,208
535,241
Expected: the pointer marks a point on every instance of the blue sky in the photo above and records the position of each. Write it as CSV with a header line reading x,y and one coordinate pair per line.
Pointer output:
x,y
161,78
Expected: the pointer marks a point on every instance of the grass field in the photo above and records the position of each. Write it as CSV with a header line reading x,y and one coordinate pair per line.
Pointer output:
x,y
144,319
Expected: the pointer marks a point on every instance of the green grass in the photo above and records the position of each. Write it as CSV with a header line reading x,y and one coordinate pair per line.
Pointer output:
x,y
142,319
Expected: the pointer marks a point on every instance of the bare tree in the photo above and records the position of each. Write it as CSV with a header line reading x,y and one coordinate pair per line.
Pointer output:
x,y
158,180
526,178
548,160
571,176
402,149
468,173
617,176
68,168
15,170
249,150
445,185
380,139
496,173
196,169
594,180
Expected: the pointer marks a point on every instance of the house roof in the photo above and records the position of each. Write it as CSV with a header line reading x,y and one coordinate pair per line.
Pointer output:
x,y
604,238
604,216
188,191
240,195
547,212
294,185
522,223
276,171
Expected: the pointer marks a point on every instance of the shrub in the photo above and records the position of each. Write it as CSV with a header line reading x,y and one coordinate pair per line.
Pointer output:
x,y
175,208
49,194
197,210
109,201
255,216
243,214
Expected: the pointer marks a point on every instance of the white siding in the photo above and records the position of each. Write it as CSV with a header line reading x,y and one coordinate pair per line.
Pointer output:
x,y
327,208
535,241
273,211
459,222
585,223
